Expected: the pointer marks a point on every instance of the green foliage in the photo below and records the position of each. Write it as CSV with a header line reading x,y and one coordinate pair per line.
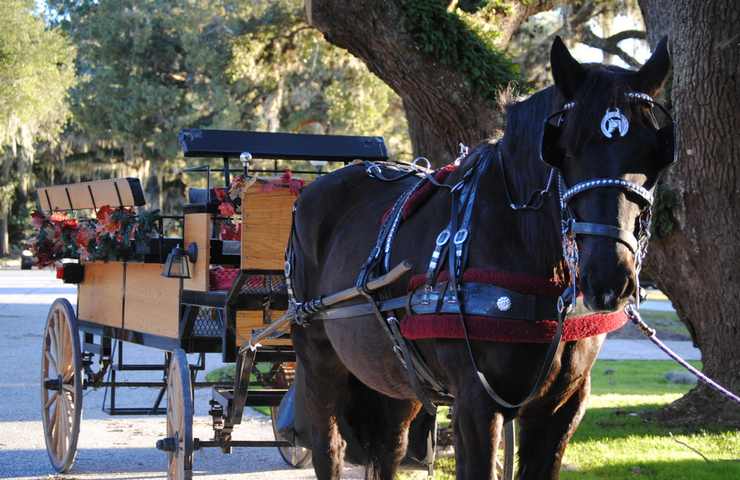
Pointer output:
x,y
36,70
148,68
465,41
299,82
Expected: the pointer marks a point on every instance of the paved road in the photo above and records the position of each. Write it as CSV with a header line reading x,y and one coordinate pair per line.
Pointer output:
x,y
109,447
122,447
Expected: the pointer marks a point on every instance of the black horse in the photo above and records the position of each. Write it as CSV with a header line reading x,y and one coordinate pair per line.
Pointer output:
x,y
358,396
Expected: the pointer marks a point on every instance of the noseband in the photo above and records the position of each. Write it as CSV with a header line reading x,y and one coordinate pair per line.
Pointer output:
x,y
571,227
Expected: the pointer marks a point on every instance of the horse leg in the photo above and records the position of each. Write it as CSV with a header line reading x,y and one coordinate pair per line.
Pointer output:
x,y
325,387
389,445
478,429
544,432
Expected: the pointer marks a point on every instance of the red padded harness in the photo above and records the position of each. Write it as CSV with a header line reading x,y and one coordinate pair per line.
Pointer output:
x,y
500,329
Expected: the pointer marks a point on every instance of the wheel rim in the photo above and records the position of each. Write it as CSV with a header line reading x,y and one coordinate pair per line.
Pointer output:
x,y
61,385
298,457
179,417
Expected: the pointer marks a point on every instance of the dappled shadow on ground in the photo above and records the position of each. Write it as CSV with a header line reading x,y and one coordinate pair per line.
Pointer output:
x,y
628,421
673,470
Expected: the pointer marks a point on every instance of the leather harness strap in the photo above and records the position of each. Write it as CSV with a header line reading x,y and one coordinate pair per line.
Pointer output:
x,y
601,230
480,300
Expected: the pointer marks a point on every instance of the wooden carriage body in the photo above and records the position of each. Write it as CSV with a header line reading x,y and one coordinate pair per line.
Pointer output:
x,y
132,301
122,301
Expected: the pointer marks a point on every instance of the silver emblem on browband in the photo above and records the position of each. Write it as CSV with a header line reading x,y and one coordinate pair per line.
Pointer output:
x,y
503,303
614,120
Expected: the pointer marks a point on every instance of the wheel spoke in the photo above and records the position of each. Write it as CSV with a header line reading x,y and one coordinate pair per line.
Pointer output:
x,y
70,352
51,417
69,389
51,363
49,401
61,351
54,347
64,423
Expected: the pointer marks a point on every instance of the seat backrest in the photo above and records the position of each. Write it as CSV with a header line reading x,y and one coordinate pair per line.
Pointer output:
x,y
266,220
115,192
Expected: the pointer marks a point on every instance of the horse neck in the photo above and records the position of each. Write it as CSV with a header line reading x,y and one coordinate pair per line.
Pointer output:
x,y
509,240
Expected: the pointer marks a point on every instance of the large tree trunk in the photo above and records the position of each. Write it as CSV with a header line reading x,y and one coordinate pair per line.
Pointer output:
x,y
4,244
442,106
697,263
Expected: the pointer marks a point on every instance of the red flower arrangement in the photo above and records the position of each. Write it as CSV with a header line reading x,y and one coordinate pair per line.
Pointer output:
x,y
54,238
114,234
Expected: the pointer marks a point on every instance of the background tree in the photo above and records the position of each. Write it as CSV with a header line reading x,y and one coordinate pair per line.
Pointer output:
x,y
448,70
149,68
300,82
146,69
696,254
36,70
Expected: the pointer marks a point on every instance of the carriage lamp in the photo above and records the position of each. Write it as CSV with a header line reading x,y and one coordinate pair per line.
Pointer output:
x,y
177,263
245,158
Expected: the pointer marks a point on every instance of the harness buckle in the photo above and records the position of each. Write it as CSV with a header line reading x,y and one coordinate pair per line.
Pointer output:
x,y
443,238
460,237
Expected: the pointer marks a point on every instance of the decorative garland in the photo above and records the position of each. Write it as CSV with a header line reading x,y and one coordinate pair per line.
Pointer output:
x,y
115,234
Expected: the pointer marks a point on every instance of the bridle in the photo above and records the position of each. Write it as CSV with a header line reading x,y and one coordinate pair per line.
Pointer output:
x,y
572,227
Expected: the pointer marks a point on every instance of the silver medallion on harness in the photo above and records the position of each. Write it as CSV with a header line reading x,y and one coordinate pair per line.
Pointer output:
x,y
613,120
503,304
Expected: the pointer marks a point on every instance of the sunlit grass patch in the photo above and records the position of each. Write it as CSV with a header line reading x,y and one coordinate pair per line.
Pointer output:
x,y
617,440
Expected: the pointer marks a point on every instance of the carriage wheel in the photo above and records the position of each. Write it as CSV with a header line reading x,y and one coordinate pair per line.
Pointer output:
x,y
506,456
297,457
179,418
61,385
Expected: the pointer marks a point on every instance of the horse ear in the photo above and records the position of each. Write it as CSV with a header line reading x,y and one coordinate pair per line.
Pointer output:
x,y
651,76
567,73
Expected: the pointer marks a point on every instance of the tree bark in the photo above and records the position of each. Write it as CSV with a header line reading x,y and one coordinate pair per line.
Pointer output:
x,y
4,244
698,263
657,19
441,106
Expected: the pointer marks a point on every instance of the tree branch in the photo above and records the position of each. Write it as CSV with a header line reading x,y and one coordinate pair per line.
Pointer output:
x,y
611,44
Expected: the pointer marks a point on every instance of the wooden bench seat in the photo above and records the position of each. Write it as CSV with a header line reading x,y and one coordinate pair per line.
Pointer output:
x,y
115,192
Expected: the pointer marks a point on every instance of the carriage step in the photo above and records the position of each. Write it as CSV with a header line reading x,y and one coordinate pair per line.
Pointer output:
x,y
198,443
266,397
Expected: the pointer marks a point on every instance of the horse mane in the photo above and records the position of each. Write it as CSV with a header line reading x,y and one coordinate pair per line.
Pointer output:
x,y
525,173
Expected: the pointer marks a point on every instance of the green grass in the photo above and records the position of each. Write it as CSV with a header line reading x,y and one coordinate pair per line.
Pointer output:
x,y
617,441
226,375
665,322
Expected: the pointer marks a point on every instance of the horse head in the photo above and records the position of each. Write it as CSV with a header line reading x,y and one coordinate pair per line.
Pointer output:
x,y
609,150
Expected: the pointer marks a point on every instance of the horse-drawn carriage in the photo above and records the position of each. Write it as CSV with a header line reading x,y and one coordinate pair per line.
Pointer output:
x,y
195,293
